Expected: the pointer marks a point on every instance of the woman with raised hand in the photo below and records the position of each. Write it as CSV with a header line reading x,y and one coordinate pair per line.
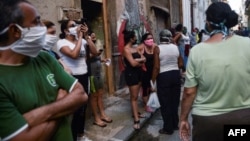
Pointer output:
x,y
72,50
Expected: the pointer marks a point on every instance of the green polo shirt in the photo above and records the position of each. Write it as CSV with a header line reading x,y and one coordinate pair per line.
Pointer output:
x,y
28,86
221,72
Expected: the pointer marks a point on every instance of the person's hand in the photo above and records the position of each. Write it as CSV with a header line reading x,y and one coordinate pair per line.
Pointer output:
x,y
184,131
61,94
153,89
84,29
141,60
104,60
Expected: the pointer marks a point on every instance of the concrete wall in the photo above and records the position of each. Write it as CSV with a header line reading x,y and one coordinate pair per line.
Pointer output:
x,y
186,4
200,7
48,9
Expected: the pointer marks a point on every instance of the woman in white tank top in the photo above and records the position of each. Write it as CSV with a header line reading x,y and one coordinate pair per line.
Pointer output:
x,y
167,76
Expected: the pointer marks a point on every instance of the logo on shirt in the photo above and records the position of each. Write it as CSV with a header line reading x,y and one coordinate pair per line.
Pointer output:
x,y
51,80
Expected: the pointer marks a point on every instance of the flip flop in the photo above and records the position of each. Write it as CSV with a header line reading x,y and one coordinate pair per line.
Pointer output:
x,y
108,120
136,125
100,124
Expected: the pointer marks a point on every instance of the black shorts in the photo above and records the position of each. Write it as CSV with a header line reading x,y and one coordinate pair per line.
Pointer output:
x,y
133,77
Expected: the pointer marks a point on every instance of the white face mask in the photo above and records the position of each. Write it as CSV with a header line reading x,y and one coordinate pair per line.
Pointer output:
x,y
73,31
31,42
50,41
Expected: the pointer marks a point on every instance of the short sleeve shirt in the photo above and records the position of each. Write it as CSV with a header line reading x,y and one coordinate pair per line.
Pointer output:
x,y
78,66
221,73
28,86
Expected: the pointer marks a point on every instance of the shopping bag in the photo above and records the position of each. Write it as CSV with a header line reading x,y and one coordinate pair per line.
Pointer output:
x,y
153,101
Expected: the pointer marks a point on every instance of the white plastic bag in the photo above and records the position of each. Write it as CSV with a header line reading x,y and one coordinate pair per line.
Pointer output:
x,y
153,101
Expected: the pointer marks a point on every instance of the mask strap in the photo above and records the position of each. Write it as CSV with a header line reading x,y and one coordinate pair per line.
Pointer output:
x,y
224,30
4,30
7,28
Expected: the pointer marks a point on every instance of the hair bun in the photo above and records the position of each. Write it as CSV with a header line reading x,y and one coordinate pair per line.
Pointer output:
x,y
232,19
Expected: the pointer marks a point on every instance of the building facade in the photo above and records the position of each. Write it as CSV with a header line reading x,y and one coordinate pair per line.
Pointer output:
x,y
107,17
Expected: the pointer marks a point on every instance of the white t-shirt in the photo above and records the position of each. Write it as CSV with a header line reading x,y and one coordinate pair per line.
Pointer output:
x,y
169,54
78,66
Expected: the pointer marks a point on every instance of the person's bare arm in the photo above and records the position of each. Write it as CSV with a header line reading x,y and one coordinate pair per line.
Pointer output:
x,y
187,101
140,50
129,57
92,47
186,105
156,67
41,132
176,38
62,107
74,53
66,68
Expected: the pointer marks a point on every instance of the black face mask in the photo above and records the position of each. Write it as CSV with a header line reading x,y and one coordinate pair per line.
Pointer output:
x,y
135,41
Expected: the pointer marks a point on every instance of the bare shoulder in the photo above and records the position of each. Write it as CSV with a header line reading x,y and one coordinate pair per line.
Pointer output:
x,y
156,49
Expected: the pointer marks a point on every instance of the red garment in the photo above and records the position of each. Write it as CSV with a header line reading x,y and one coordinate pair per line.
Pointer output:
x,y
121,43
187,48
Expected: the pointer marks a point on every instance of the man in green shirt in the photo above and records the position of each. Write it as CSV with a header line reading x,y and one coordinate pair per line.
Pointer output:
x,y
36,94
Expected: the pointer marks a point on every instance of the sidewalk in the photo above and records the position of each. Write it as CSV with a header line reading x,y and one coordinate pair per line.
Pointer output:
x,y
119,109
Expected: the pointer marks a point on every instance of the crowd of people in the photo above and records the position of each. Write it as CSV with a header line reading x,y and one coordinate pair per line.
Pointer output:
x,y
43,106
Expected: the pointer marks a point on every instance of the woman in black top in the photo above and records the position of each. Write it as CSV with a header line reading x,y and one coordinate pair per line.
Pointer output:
x,y
133,62
147,47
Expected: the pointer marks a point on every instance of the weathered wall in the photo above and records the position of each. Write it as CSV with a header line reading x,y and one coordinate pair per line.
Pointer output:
x,y
48,8
186,14
200,7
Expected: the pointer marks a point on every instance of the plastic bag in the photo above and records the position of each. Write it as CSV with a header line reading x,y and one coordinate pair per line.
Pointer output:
x,y
153,101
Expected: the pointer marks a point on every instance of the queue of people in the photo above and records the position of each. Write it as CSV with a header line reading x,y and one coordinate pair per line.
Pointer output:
x,y
50,108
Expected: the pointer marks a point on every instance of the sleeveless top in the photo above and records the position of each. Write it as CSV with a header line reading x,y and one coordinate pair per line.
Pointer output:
x,y
128,66
149,63
168,56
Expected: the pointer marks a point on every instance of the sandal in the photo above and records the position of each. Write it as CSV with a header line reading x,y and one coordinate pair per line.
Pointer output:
x,y
137,125
108,120
100,124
